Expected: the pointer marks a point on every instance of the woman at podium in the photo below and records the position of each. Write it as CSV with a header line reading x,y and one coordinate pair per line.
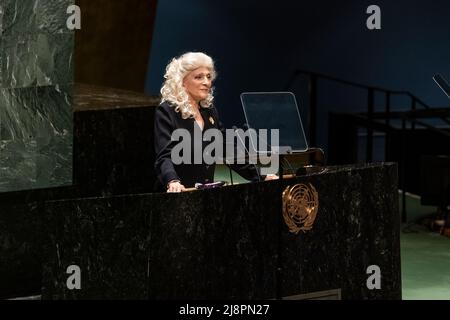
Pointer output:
x,y
187,103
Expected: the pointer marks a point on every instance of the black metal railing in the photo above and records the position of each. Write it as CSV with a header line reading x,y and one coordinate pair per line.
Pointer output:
x,y
368,120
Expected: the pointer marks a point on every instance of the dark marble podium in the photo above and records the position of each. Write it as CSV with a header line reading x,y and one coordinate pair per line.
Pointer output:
x,y
225,243
112,154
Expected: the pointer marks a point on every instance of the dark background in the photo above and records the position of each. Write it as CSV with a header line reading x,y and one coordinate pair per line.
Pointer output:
x,y
258,44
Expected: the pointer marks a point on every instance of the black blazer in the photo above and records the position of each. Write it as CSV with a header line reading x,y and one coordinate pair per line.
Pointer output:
x,y
166,121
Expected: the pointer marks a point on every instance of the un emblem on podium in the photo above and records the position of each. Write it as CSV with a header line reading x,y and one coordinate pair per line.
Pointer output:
x,y
300,206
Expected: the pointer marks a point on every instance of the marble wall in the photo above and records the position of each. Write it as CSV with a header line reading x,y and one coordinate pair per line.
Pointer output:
x,y
36,77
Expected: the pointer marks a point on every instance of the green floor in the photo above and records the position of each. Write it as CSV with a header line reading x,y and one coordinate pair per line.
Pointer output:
x,y
425,255
425,265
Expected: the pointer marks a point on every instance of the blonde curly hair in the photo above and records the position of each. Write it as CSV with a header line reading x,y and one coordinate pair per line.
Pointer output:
x,y
173,91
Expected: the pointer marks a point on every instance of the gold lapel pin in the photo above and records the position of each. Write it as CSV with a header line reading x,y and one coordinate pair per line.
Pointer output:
x,y
211,120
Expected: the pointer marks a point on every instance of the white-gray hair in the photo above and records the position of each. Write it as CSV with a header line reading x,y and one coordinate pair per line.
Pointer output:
x,y
173,91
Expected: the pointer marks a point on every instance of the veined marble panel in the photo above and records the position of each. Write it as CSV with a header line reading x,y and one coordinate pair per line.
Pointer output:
x,y
54,59
36,76
17,17
35,137
33,16
18,59
36,60
51,16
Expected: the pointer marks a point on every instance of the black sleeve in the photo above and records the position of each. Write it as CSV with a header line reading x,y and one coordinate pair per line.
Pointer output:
x,y
164,127
248,170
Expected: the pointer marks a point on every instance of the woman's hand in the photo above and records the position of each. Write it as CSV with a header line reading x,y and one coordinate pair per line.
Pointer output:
x,y
271,177
175,186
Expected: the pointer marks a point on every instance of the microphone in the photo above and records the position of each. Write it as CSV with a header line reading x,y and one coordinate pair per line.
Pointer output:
x,y
286,161
246,150
442,83
229,170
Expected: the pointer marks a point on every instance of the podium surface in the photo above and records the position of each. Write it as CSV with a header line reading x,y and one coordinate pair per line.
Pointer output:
x,y
228,243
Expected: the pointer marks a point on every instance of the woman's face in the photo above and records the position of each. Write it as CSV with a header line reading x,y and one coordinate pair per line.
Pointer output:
x,y
197,84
